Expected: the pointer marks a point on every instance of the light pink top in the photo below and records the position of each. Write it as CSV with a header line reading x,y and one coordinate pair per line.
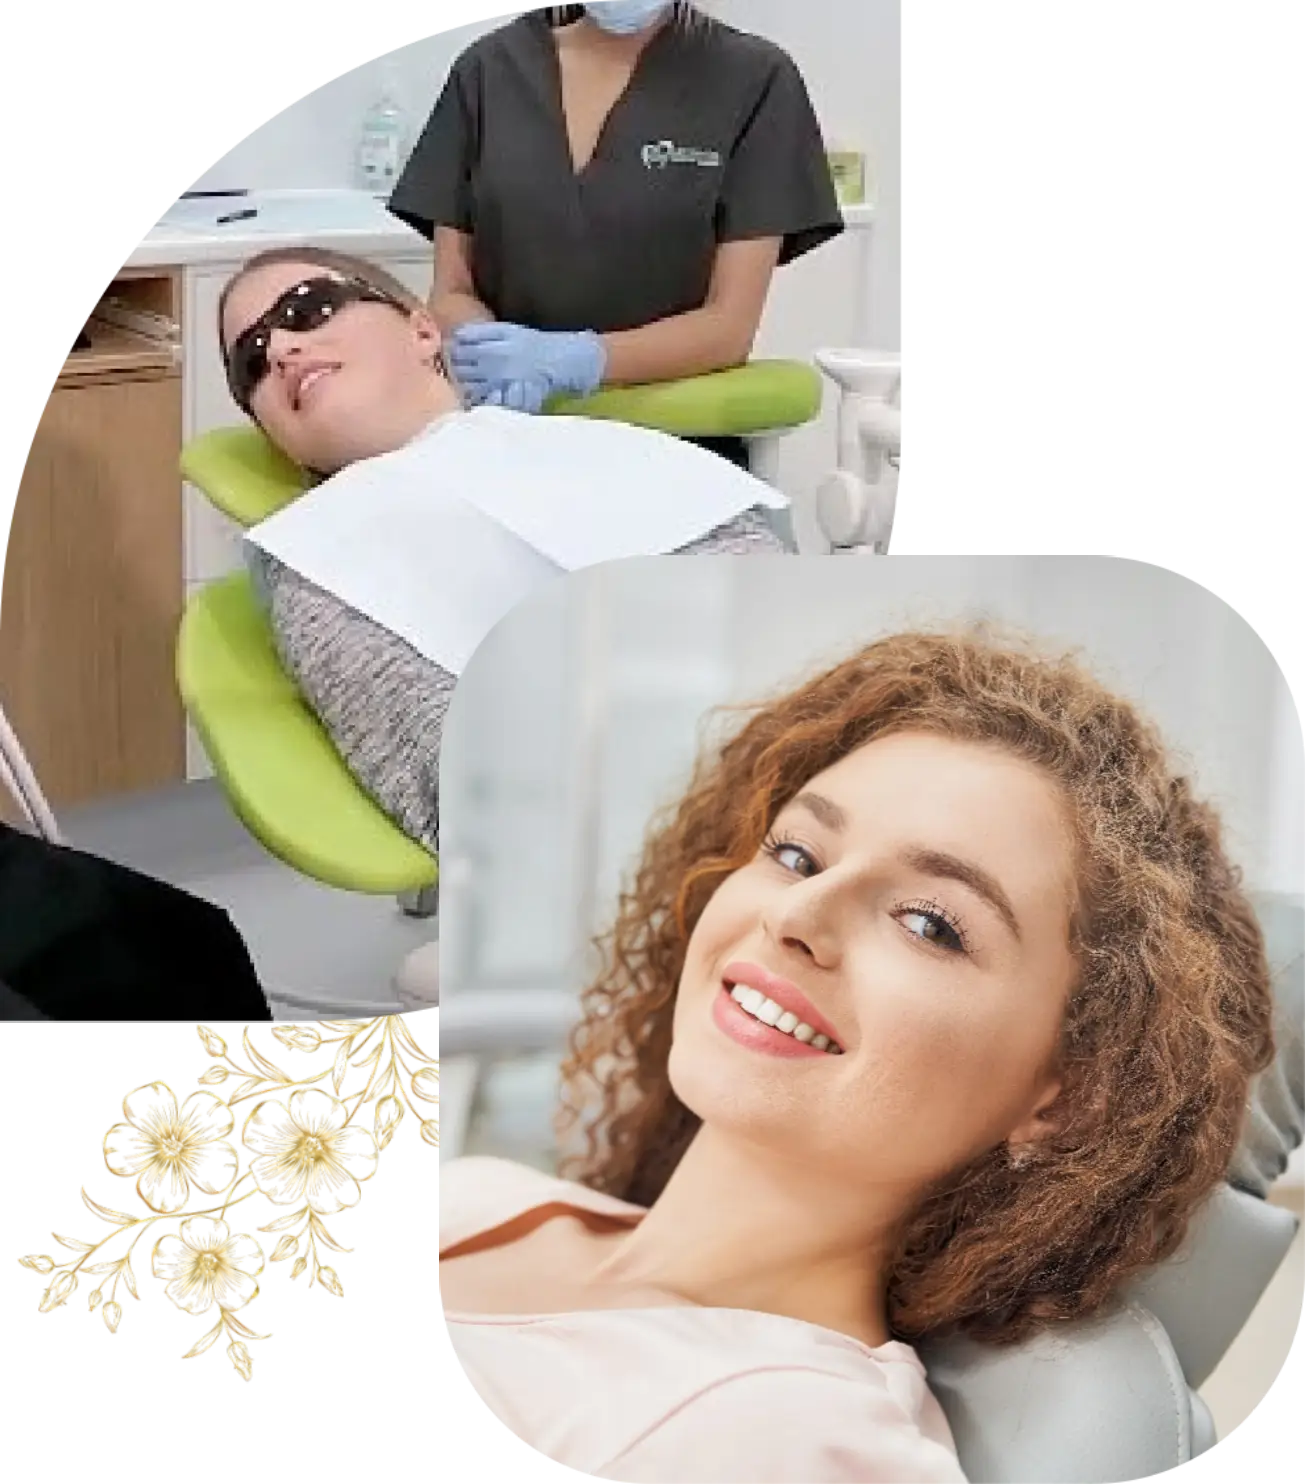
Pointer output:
x,y
686,1395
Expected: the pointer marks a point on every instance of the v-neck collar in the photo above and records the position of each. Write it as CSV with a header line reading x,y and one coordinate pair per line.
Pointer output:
x,y
538,23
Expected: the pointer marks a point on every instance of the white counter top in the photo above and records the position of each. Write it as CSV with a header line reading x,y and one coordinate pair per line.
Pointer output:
x,y
352,221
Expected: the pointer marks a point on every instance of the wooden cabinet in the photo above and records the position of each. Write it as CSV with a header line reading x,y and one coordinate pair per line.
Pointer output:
x,y
92,586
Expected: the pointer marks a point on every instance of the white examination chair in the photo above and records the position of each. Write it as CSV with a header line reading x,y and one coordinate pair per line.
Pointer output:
x,y
1093,1403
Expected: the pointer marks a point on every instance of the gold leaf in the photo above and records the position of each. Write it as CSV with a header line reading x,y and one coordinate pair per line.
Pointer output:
x,y
245,1089
112,1316
201,1345
129,1278
426,1085
345,1027
39,1264
341,1066
430,1131
101,1267
73,1243
371,1058
402,1032
259,1063
213,1076
237,1327
389,1115
299,1267
240,1359
284,1223
95,1299
104,1213
333,1244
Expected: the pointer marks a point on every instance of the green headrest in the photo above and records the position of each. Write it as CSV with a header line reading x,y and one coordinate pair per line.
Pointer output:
x,y
242,473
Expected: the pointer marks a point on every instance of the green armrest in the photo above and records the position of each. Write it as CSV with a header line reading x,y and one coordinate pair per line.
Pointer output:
x,y
275,763
247,479
761,397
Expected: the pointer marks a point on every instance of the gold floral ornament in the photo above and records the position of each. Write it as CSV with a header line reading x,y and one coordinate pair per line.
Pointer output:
x,y
309,1149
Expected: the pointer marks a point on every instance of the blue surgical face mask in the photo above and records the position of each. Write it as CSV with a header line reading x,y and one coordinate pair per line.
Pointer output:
x,y
626,17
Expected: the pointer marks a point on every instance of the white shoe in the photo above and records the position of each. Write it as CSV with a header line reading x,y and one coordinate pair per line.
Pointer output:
x,y
417,982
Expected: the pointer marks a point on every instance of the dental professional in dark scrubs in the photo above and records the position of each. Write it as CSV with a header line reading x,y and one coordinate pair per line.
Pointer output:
x,y
609,189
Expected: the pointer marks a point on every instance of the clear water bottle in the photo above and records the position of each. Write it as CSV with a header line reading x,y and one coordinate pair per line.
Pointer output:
x,y
384,139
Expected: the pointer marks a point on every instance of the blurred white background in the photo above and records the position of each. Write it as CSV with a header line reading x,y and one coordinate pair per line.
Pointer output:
x,y
581,715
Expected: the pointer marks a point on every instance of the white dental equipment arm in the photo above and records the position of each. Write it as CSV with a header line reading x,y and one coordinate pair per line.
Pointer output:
x,y
853,508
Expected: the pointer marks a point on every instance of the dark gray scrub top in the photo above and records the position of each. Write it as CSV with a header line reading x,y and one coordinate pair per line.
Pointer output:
x,y
714,141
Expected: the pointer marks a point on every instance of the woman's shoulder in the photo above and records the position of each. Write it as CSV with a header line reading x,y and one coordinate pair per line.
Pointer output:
x,y
746,50
847,1420
480,1192
502,42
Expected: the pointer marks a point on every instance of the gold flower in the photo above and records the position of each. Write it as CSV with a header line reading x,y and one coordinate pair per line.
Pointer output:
x,y
297,1159
306,1155
168,1149
199,1271
168,1143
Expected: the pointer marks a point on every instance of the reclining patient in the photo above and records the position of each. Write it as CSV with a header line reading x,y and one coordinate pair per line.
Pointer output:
x,y
342,369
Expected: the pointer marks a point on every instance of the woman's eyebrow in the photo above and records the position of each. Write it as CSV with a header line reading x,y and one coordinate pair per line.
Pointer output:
x,y
928,862
952,868
824,810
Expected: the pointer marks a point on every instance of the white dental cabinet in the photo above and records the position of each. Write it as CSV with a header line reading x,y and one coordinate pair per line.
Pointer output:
x,y
88,680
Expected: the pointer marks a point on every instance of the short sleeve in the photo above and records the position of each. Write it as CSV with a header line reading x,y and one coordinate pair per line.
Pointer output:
x,y
435,187
785,1424
778,181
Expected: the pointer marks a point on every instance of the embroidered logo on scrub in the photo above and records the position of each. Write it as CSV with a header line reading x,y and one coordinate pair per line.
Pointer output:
x,y
656,156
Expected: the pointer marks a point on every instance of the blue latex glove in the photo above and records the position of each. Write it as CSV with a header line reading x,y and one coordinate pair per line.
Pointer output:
x,y
494,357
518,396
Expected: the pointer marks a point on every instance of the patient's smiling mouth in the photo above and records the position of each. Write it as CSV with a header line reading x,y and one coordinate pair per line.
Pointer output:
x,y
303,379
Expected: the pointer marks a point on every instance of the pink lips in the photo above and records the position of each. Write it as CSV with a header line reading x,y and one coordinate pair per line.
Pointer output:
x,y
739,1026
785,994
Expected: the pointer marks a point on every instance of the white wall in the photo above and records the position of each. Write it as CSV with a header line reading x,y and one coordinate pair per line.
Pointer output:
x,y
849,53
312,143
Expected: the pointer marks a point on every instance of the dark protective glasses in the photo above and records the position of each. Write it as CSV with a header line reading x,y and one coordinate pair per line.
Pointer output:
x,y
305,307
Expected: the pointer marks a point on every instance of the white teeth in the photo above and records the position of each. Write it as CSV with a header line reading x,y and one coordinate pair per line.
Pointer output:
x,y
761,1008
311,379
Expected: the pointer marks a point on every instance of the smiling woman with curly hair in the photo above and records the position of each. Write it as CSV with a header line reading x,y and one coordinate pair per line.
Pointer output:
x,y
933,1007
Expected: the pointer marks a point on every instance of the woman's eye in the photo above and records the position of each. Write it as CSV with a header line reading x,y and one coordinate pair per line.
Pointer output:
x,y
791,857
932,927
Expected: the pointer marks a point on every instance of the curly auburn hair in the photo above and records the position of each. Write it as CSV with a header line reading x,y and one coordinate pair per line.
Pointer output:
x,y
1169,1019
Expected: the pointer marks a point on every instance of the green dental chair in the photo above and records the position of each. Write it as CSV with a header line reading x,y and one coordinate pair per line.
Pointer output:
x,y
278,768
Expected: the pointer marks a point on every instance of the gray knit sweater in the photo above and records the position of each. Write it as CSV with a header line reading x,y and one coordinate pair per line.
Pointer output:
x,y
382,703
